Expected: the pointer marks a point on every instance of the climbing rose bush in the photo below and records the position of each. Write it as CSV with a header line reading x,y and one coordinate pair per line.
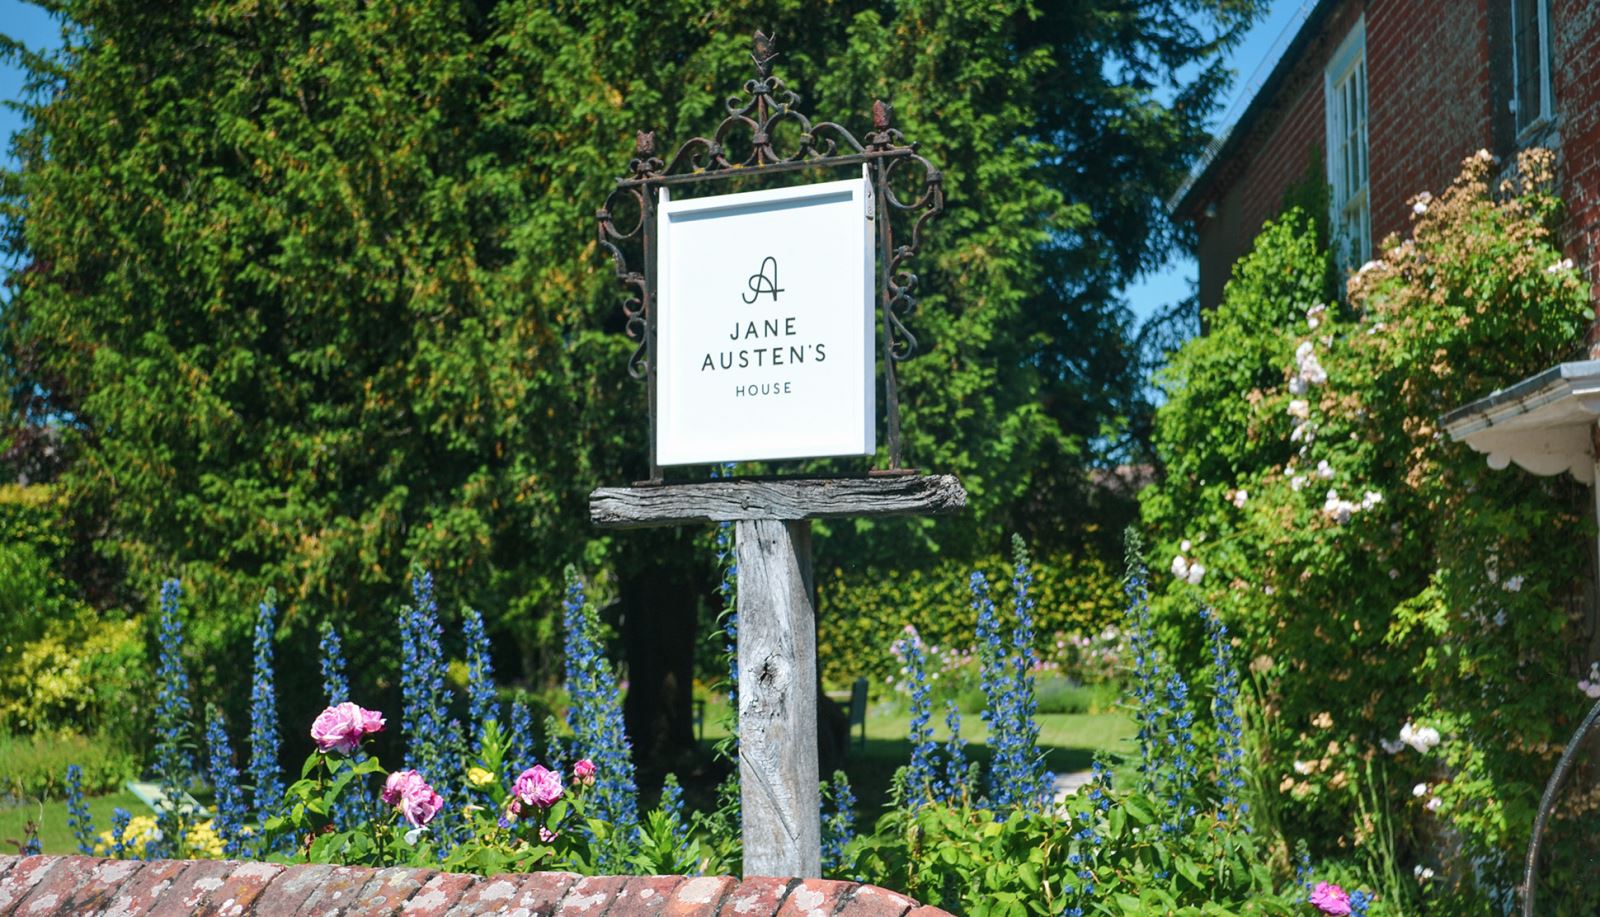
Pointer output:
x,y
1409,616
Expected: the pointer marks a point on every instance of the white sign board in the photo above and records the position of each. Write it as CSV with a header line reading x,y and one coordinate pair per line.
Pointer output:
x,y
764,325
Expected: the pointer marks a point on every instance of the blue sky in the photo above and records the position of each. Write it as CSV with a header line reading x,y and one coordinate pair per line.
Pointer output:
x,y
1251,61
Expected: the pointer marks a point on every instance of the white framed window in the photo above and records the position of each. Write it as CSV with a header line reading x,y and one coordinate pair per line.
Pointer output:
x,y
1345,92
1532,101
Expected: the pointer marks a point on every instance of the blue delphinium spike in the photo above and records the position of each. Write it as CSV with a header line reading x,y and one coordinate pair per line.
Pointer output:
x,y
228,796
594,718
953,789
521,755
431,742
992,679
921,778
334,682
120,819
1175,777
482,705
1146,671
422,679
1225,716
264,737
838,821
1025,761
672,805
173,764
78,817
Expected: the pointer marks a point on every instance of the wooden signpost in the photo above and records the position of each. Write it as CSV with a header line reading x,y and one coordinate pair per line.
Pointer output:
x,y
760,318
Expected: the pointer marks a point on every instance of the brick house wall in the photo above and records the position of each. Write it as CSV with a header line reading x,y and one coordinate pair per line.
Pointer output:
x,y
1439,89
1428,100
1577,91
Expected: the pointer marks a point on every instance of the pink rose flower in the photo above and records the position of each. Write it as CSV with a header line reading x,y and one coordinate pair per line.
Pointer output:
x,y
538,787
546,835
341,727
583,772
416,800
1331,899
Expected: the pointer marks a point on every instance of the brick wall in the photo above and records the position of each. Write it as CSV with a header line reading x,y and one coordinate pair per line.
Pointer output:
x,y
1577,91
1438,88
1428,100
83,885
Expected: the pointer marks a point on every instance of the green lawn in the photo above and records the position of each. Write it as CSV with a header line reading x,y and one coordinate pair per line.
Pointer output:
x,y
55,836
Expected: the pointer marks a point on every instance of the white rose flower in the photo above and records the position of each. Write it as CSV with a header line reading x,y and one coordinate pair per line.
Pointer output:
x,y
1420,790
1324,470
1180,566
1239,498
1433,803
1197,571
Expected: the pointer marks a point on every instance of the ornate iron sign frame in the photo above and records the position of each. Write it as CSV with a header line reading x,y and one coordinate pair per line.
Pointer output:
x,y
766,104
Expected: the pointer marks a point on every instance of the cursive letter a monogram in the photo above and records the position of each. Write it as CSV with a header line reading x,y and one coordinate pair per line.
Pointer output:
x,y
761,283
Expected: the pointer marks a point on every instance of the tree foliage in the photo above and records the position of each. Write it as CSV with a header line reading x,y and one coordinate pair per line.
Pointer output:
x,y
305,290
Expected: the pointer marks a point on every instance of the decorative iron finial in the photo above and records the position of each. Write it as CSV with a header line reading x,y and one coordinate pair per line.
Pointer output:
x,y
644,160
880,115
766,48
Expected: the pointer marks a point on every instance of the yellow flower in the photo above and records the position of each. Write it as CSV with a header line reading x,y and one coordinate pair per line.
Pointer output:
x,y
201,839
479,777
204,843
141,828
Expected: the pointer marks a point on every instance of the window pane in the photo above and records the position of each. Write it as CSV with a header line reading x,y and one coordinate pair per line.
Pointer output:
x,y
1530,61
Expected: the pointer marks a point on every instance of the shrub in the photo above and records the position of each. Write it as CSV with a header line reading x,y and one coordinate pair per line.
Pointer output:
x,y
83,673
860,616
62,666
32,766
1406,611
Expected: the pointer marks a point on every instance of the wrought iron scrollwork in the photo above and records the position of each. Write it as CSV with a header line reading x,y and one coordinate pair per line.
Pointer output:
x,y
753,119
634,312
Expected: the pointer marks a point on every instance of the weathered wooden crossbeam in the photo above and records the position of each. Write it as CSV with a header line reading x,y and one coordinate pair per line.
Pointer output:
x,y
780,801
788,499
